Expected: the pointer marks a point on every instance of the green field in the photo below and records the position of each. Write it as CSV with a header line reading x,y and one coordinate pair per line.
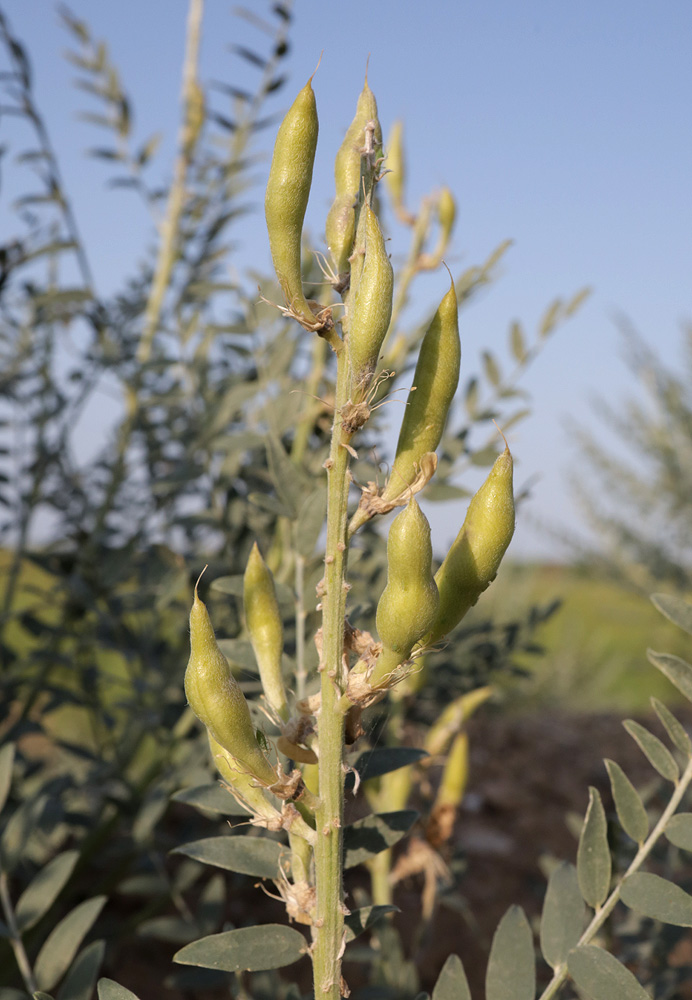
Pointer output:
x,y
595,644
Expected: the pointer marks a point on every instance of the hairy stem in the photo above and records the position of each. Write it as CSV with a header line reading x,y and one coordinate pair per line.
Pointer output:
x,y
561,972
329,925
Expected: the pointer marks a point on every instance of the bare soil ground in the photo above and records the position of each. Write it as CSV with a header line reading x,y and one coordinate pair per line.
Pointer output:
x,y
527,773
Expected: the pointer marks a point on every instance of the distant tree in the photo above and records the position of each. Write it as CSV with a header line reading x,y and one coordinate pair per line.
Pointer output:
x,y
640,507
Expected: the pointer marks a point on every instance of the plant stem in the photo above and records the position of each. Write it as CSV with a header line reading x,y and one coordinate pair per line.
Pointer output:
x,y
189,130
16,942
301,614
561,972
329,925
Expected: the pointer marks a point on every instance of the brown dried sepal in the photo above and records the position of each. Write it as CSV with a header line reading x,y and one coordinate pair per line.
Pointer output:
x,y
440,825
354,416
289,786
371,502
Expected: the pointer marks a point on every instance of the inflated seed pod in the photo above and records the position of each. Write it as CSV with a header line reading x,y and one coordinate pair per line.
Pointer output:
x,y
435,380
455,774
242,784
395,177
372,308
446,213
475,556
265,628
216,699
286,198
408,605
340,225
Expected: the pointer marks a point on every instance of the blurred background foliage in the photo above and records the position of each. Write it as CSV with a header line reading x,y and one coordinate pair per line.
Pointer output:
x,y
223,411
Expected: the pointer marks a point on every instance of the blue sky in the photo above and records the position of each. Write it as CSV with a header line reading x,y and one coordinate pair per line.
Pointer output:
x,y
565,127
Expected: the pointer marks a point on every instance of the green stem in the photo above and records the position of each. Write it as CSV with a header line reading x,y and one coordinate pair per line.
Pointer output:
x,y
561,971
329,923
301,615
16,942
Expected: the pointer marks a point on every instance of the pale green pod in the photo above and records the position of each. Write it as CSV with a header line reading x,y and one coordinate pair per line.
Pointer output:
x,y
446,213
372,308
455,774
216,699
409,603
475,556
340,225
245,787
265,629
340,228
286,198
435,381
395,177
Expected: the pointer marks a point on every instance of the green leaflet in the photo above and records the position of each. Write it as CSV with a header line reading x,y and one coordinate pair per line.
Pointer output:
x,y
382,760
658,755
359,921
44,889
593,854
6,762
211,798
601,977
511,971
674,728
629,806
679,831
109,990
248,949
657,898
452,983
310,521
255,856
60,947
678,671
562,919
79,981
675,609
375,833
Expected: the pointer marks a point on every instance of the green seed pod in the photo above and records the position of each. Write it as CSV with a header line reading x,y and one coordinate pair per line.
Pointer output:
x,y
243,785
265,629
455,774
435,381
475,556
408,605
216,699
395,177
372,308
340,228
340,225
446,213
286,199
